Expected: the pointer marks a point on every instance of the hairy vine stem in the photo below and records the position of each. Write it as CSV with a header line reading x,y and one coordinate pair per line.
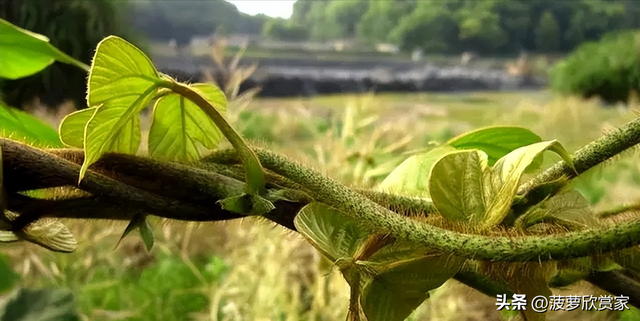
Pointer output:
x,y
380,219
30,168
254,175
585,158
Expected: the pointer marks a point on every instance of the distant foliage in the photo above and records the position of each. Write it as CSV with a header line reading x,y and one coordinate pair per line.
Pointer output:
x,y
283,29
180,20
609,69
73,26
487,26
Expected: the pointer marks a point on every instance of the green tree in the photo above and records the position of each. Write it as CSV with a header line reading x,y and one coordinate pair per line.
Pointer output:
x,y
282,29
548,33
345,16
489,26
480,27
381,18
430,27
609,69
301,10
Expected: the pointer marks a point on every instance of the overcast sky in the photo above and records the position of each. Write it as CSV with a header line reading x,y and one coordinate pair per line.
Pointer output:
x,y
273,8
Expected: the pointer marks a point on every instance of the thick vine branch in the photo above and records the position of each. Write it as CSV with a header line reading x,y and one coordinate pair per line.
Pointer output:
x,y
178,192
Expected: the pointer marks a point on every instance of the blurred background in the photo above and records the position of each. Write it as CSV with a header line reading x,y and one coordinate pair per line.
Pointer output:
x,y
351,88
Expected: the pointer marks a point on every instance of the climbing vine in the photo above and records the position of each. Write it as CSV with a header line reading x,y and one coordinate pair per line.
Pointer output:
x,y
460,210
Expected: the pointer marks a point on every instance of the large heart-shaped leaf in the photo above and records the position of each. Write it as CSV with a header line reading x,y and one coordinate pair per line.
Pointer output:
x,y
25,53
179,125
122,82
392,279
72,127
411,177
395,292
335,235
496,141
457,185
19,125
464,188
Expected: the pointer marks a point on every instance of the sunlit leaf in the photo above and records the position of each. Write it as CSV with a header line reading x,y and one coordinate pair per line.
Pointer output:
x,y
335,235
179,125
25,53
496,141
3,197
458,188
122,82
8,237
570,210
396,292
72,127
392,278
47,232
22,126
411,177
464,187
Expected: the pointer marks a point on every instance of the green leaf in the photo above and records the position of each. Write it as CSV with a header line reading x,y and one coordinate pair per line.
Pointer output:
x,y
25,53
8,278
72,127
122,82
390,282
532,279
39,305
411,177
463,187
570,210
19,125
396,292
3,197
179,124
8,237
50,234
147,234
334,234
572,271
629,258
496,141
47,232
248,204
139,221
457,186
